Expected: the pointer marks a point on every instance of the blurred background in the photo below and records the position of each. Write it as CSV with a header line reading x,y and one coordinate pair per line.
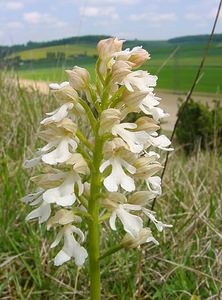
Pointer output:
x,y
39,40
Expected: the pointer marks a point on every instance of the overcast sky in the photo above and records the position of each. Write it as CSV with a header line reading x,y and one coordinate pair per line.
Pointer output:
x,y
38,20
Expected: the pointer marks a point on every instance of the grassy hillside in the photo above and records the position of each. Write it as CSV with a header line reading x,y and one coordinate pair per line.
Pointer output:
x,y
186,265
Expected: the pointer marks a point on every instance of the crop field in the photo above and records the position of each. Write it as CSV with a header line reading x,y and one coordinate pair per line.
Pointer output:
x,y
68,50
187,264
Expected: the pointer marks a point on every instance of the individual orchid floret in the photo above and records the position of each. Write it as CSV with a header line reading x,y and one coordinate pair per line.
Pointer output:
x,y
58,86
162,142
154,184
147,124
109,118
117,204
120,159
141,198
71,247
159,225
60,138
107,47
58,115
137,56
79,78
139,80
42,212
63,194
146,167
149,107
130,102
51,178
63,217
78,164
135,139
120,70
144,236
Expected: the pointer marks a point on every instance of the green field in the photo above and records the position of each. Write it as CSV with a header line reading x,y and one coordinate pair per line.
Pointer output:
x,y
68,50
187,263
176,68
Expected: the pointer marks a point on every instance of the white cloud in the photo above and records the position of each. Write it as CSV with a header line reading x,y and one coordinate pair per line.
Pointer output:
x,y
37,18
14,25
153,17
14,5
33,17
94,11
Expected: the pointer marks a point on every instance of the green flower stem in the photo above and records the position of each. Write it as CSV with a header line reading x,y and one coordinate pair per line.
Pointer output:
x,y
94,99
94,228
83,201
112,250
84,140
89,114
116,98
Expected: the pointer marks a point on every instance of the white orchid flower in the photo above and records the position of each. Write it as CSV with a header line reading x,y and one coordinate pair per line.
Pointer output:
x,y
118,177
159,225
154,184
71,247
43,212
33,196
140,80
61,153
135,139
64,194
132,224
161,142
58,114
148,106
58,86
30,163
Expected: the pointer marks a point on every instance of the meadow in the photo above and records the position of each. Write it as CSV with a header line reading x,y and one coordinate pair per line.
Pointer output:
x,y
186,265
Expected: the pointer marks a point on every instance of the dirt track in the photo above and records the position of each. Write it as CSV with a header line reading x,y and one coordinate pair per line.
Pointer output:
x,y
169,101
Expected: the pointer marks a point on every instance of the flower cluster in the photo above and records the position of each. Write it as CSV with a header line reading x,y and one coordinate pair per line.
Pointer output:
x,y
94,154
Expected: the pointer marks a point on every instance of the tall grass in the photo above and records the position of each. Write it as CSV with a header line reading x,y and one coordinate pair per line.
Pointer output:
x,y
186,265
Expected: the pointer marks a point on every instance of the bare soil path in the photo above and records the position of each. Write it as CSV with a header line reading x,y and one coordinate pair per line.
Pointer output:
x,y
170,100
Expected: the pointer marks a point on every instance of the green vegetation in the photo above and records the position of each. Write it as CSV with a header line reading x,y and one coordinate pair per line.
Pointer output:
x,y
186,265
200,126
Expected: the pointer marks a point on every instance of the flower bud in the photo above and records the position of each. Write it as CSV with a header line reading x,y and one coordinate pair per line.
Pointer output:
x,y
78,78
109,46
139,57
120,70
146,124
63,217
109,118
50,179
117,147
67,125
141,197
79,164
146,167
112,200
144,236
